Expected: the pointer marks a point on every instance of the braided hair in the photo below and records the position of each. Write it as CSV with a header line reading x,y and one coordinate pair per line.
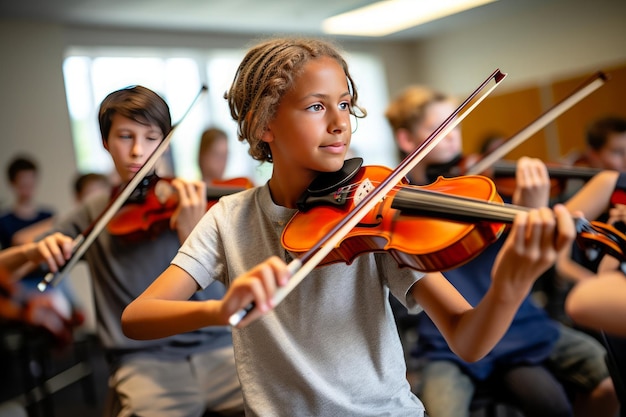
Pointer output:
x,y
266,73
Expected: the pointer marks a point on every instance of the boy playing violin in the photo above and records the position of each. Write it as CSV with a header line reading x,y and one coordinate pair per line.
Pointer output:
x,y
331,347
182,375
534,358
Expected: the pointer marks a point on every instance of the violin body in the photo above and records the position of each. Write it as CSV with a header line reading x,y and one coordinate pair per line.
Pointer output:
x,y
425,243
148,214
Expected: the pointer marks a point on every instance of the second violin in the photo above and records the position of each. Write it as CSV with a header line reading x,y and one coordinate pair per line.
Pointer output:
x,y
148,210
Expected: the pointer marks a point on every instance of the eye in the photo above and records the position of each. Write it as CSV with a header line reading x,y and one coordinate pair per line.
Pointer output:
x,y
315,107
345,105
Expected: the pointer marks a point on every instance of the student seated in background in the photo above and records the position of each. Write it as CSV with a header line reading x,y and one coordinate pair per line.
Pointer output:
x,y
596,300
605,144
83,186
90,184
26,213
213,154
602,198
23,178
533,361
180,376
330,348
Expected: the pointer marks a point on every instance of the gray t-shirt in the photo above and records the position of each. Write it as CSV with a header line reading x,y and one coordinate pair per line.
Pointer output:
x,y
331,347
121,271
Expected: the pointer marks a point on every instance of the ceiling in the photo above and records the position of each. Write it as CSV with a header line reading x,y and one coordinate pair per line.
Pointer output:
x,y
247,17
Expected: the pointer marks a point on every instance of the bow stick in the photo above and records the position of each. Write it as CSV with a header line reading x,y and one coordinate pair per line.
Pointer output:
x,y
300,267
589,86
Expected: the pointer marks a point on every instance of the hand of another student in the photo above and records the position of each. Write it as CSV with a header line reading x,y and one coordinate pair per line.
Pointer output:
x,y
532,246
54,250
191,206
532,183
258,285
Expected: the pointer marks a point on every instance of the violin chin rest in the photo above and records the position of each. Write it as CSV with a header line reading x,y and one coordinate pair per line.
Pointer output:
x,y
330,181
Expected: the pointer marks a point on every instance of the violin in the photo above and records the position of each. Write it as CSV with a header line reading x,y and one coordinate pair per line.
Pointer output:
x,y
429,228
503,174
148,210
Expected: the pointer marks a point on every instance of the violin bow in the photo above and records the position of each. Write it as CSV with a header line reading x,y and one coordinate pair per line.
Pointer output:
x,y
82,242
586,88
302,266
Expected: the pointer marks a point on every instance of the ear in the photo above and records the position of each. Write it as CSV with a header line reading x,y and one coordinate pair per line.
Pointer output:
x,y
405,141
267,136
105,143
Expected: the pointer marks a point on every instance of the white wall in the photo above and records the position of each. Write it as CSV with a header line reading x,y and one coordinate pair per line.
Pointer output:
x,y
566,37
558,38
34,117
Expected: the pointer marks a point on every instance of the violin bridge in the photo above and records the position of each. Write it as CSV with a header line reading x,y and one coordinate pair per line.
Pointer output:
x,y
362,190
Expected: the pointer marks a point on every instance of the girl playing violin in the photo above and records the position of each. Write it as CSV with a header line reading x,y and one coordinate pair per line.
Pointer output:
x,y
331,347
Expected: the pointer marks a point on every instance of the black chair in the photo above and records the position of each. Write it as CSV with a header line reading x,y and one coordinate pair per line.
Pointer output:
x,y
616,362
488,401
27,352
34,370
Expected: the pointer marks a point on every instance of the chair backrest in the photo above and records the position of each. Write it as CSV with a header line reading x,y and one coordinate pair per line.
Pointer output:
x,y
616,362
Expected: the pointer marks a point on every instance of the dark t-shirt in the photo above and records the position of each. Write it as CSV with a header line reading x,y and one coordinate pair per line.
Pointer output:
x,y
10,224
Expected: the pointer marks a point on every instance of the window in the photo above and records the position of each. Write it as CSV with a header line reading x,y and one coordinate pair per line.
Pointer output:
x,y
90,77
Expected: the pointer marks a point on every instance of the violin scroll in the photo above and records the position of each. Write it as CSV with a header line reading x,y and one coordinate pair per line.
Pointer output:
x,y
598,239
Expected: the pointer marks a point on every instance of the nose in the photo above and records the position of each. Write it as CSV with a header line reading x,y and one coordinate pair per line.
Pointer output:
x,y
339,120
136,150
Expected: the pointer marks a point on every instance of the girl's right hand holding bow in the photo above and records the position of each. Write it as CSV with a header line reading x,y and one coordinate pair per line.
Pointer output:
x,y
257,286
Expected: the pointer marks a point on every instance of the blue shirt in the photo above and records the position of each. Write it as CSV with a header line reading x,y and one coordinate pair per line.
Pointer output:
x,y
529,339
11,224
